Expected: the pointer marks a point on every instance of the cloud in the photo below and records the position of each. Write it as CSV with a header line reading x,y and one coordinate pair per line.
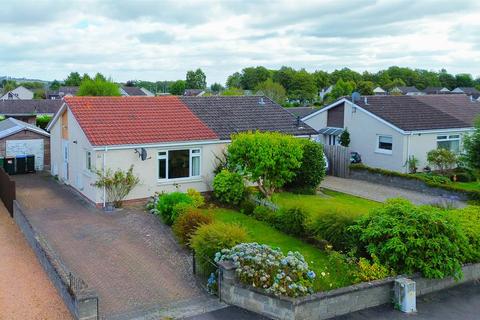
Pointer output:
x,y
154,40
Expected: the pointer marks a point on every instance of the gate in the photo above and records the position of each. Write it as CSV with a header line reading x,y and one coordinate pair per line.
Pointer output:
x,y
338,160
7,190
206,273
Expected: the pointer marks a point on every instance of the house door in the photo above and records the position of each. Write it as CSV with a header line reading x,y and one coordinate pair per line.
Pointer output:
x,y
65,160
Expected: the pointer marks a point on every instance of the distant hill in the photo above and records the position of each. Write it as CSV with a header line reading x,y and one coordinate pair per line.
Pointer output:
x,y
20,80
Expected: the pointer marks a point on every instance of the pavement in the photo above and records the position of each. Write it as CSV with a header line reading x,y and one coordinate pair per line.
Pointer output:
x,y
381,193
25,289
129,257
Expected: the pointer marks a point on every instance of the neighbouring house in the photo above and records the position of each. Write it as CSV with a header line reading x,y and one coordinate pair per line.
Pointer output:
x,y
387,130
134,91
436,90
408,91
29,110
469,91
194,92
19,93
172,142
301,111
379,91
324,92
18,138
64,91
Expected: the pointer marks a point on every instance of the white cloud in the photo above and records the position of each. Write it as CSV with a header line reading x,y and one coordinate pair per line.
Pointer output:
x,y
154,40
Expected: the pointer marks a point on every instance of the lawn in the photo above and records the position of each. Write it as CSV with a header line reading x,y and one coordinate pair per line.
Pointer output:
x,y
330,200
469,186
332,265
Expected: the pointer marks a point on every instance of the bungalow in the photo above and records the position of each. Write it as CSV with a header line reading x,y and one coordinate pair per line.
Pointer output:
x,y
387,130
29,110
436,90
172,142
19,93
469,91
409,91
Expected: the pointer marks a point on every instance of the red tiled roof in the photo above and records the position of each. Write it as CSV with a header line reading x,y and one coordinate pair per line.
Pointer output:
x,y
137,120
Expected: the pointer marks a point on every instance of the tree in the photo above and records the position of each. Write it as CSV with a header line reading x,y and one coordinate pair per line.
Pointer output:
x,y
346,75
232,91
303,87
196,79
312,170
284,76
471,144
234,80
98,76
322,79
39,94
8,85
395,83
442,159
447,80
365,87
117,184
267,158
216,87
98,87
177,88
273,90
345,138
73,79
464,80
342,88
251,77
55,85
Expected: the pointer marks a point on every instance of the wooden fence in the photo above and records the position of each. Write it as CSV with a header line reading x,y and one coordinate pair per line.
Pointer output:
x,y
338,161
7,190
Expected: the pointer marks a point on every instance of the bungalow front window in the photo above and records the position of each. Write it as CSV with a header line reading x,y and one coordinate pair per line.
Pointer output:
x,y
384,144
176,164
449,142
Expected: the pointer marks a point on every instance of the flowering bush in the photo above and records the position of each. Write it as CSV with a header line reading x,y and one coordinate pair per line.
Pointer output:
x,y
267,268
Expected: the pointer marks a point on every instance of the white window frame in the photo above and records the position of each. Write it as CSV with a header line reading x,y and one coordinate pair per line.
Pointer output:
x,y
380,150
193,152
450,137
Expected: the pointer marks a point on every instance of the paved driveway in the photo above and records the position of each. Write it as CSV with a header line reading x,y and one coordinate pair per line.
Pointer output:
x,y
129,257
381,193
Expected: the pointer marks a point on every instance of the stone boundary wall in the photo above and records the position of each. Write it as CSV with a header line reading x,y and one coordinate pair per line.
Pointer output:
x,y
325,305
82,302
405,183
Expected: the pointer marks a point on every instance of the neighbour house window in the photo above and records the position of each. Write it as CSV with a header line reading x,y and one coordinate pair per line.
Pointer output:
x,y
384,144
88,160
449,142
175,164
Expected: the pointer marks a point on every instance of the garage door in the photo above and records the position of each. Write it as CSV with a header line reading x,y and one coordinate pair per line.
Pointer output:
x,y
24,147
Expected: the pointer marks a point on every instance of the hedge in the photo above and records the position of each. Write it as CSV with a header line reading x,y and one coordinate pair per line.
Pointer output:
x,y
471,194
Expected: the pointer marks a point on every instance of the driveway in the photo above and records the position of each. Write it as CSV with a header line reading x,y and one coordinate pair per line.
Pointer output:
x,y
25,290
381,193
129,257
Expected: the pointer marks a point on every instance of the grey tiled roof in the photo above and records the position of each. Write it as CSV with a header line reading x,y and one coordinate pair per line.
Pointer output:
x,y
133,91
301,111
231,114
18,107
10,126
428,112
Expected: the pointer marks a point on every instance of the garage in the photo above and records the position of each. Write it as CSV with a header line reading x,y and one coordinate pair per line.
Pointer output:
x,y
19,139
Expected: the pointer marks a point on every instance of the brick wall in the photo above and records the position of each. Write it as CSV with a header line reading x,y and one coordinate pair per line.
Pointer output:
x,y
28,135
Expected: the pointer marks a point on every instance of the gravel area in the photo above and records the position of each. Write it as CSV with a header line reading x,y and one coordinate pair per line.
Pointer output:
x,y
25,290
381,193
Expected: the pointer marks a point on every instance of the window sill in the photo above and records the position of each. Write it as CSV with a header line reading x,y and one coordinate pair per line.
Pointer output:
x,y
179,180
382,151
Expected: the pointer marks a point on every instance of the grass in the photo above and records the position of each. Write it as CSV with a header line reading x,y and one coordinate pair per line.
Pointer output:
x,y
331,200
469,186
335,268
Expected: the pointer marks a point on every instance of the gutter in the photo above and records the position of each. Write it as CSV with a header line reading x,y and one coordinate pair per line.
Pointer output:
x,y
103,171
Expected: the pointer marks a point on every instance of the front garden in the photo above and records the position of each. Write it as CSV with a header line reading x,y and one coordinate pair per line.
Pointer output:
x,y
287,237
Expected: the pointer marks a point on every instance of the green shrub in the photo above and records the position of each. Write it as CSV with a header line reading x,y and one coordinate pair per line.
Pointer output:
x,y
435,179
442,159
167,202
369,271
211,238
247,207
292,221
197,199
263,213
409,239
332,227
187,223
469,220
228,187
312,170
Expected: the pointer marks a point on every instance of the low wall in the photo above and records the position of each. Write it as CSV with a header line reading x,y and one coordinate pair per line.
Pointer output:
x,y
405,183
81,301
325,305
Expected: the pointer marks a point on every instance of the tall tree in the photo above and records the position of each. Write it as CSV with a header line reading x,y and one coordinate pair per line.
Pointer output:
x,y
177,88
216,87
273,90
322,79
284,76
74,79
303,87
342,88
251,77
472,147
365,87
196,79
464,80
447,80
55,85
234,80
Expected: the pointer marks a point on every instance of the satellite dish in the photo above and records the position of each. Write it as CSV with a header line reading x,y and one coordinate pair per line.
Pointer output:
x,y
143,154
355,96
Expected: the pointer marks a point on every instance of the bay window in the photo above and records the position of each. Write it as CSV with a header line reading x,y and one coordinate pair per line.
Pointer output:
x,y
178,164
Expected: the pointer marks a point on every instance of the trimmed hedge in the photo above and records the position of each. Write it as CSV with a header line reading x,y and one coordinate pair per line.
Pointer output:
x,y
429,180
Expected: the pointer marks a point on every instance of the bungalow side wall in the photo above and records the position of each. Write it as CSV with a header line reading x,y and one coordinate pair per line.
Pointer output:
x,y
147,170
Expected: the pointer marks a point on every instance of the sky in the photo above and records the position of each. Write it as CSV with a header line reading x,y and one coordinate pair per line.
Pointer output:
x,y
161,40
